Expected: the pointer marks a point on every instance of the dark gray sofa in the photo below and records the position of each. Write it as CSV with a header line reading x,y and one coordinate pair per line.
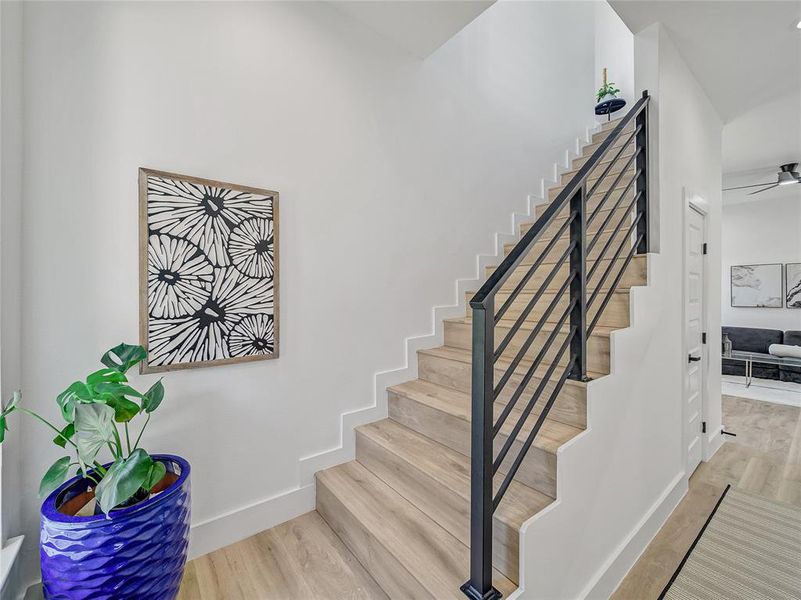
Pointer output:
x,y
791,373
757,340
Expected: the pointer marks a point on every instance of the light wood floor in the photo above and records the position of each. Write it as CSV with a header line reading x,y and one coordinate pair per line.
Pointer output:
x,y
764,458
304,559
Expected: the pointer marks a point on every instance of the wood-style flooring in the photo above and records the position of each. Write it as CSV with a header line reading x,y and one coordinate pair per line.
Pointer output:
x,y
304,559
764,458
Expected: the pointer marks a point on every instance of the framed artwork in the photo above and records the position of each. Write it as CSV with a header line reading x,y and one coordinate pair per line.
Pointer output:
x,y
208,272
792,285
757,286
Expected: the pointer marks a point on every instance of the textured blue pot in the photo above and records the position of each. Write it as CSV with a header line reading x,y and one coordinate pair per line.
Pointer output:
x,y
139,552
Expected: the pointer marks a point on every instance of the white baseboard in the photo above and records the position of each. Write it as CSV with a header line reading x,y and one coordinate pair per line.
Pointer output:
x,y
613,571
10,585
238,524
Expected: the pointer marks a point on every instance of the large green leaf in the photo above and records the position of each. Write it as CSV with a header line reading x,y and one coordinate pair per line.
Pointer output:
x,y
114,394
105,376
55,476
12,404
94,428
157,472
123,357
77,392
153,397
66,434
123,479
3,428
124,409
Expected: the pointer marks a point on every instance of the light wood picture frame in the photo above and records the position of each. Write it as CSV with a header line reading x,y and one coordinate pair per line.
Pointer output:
x,y
208,272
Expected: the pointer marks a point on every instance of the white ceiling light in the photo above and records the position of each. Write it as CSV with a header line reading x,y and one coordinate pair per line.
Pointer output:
x,y
798,25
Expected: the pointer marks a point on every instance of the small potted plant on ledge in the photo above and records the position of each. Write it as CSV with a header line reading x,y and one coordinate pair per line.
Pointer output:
x,y
606,98
119,528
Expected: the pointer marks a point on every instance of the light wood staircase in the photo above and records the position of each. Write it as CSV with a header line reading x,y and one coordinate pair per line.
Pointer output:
x,y
403,506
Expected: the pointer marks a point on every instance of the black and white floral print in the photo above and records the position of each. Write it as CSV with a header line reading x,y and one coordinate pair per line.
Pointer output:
x,y
252,335
210,273
251,247
202,214
179,277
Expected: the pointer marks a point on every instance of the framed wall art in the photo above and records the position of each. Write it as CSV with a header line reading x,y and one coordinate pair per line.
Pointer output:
x,y
756,286
208,279
792,285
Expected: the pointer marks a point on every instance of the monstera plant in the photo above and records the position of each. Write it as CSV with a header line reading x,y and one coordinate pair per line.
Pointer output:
x,y
100,414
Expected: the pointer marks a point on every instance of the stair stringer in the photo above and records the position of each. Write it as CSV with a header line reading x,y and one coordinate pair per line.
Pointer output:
x,y
345,450
608,505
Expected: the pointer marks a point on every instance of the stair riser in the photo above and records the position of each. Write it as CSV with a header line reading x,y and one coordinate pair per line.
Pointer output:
x,y
635,275
588,150
616,313
593,202
587,153
607,183
379,561
450,510
562,244
459,335
600,136
570,406
621,162
556,225
538,469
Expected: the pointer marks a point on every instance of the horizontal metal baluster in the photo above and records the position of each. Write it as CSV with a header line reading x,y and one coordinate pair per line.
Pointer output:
x,y
512,437
614,160
534,267
530,439
608,243
612,260
612,214
597,317
611,189
497,278
510,371
532,369
530,306
620,199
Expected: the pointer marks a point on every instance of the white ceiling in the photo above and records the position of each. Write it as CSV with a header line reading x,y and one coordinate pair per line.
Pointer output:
x,y
767,136
744,54
419,27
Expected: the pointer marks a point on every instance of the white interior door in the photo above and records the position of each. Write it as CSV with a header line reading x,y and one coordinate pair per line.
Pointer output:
x,y
694,355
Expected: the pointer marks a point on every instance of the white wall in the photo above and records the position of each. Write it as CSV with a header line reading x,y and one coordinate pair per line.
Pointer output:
x,y
620,479
761,231
393,174
10,280
614,49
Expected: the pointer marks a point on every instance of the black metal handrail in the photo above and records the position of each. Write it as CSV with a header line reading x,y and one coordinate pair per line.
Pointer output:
x,y
569,357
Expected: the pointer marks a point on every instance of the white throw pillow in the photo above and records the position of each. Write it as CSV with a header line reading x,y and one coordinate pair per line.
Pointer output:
x,y
785,350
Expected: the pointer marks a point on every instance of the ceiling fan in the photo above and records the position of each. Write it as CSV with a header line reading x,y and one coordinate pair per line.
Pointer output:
x,y
787,175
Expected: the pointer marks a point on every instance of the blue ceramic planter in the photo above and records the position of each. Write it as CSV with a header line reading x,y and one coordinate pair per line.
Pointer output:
x,y
138,553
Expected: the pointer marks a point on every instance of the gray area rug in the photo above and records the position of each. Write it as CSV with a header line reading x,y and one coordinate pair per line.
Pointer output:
x,y
749,549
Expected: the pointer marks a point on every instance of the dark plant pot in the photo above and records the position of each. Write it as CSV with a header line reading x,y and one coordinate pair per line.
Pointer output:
x,y
137,552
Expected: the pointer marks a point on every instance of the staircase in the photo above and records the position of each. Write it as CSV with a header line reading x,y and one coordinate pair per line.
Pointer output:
x,y
413,502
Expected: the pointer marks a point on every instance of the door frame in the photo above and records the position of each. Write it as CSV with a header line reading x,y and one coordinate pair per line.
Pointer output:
x,y
692,201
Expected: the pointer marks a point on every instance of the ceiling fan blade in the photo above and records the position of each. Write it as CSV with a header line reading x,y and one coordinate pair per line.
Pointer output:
x,y
764,189
742,187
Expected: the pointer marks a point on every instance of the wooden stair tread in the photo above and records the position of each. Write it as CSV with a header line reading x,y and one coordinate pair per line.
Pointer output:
x,y
424,550
465,356
457,404
452,470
